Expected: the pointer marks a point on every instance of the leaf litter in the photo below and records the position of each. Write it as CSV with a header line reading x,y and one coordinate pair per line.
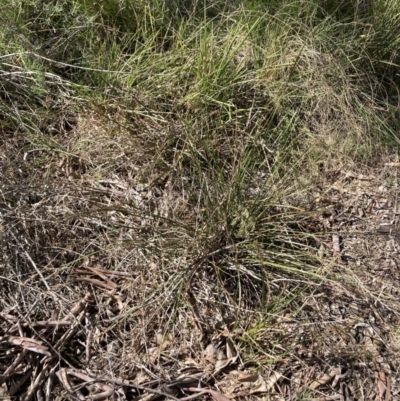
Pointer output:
x,y
103,331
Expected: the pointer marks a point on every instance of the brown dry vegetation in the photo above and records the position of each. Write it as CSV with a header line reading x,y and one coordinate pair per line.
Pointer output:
x,y
202,205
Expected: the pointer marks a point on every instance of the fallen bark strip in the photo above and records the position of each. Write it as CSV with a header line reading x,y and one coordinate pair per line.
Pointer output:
x,y
30,344
109,285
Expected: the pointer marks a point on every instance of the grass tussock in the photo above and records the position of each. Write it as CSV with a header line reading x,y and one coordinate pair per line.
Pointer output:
x,y
187,149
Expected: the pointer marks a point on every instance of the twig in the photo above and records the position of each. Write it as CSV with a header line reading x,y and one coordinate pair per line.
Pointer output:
x,y
64,380
119,382
10,370
108,390
215,394
191,397
49,383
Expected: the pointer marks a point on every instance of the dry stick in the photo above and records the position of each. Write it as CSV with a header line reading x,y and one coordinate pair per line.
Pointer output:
x,y
120,382
63,378
191,397
215,394
10,370
46,323
49,383
108,390
7,317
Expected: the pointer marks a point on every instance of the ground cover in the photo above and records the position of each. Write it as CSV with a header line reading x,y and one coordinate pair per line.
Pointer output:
x,y
199,200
